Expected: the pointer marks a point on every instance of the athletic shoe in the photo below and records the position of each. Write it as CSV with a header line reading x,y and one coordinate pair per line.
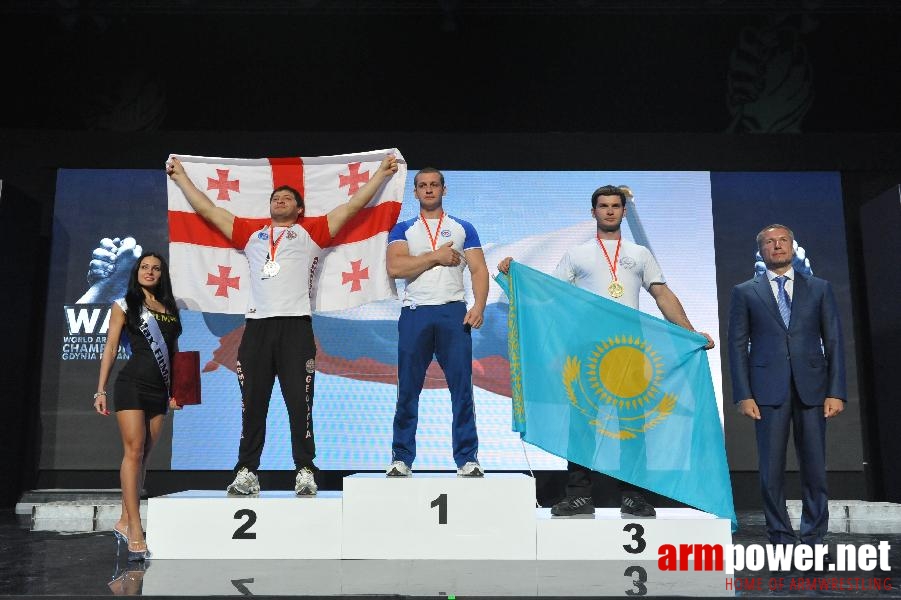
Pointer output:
x,y
398,469
246,483
635,506
470,469
574,506
304,484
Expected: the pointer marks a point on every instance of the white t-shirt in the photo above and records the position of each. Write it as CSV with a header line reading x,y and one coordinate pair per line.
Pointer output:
x,y
586,267
288,293
440,284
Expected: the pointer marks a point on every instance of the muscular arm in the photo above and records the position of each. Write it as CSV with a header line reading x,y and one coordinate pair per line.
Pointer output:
x,y
672,309
401,265
669,305
340,215
217,216
478,270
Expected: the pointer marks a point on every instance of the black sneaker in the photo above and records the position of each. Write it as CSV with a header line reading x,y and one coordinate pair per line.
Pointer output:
x,y
574,506
635,506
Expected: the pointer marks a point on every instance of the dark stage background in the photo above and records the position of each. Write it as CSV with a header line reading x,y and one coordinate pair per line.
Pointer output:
x,y
493,85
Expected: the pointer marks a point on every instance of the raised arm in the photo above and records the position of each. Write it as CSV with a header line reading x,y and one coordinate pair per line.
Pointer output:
x,y
672,310
340,215
403,266
217,216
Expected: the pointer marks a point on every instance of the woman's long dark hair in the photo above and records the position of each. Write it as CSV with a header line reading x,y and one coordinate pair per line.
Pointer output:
x,y
134,297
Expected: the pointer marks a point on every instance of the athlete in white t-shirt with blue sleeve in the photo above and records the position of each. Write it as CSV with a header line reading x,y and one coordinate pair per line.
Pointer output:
x,y
431,252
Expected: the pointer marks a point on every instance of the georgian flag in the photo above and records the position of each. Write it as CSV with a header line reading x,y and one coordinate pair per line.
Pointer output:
x,y
210,275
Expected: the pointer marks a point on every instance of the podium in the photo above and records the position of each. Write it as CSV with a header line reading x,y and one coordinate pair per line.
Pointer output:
x,y
271,525
439,516
425,517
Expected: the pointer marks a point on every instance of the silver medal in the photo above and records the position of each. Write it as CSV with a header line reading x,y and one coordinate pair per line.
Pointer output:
x,y
271,268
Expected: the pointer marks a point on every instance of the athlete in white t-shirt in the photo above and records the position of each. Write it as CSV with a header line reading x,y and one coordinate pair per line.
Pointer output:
x,y
430,252
278,336
613,268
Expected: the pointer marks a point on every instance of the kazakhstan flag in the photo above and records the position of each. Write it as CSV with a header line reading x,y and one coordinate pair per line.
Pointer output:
x,y
616,390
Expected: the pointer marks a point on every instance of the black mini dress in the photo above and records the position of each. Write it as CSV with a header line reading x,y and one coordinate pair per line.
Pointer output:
x,y
140,384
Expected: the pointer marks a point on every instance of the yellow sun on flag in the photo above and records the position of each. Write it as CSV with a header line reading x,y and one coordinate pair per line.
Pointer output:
x,y
625,371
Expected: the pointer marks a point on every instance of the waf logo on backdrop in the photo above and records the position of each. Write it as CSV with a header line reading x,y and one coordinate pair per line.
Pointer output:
x,y
86,328
86,321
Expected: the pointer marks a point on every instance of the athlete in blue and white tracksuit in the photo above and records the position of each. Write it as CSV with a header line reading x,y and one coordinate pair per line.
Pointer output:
x,y
430,252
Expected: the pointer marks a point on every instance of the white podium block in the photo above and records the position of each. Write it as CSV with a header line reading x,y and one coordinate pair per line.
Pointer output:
x,y
274,525
613,578
273,578
439,516
609,536
437,578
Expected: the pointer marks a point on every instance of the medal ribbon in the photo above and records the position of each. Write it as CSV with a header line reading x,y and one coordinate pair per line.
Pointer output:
x,y
613,264
433,240
273,245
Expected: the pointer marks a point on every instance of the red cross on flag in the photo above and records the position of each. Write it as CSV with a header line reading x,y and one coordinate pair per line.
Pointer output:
x,y
210,275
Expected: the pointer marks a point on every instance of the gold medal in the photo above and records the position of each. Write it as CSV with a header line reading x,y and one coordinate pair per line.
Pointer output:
x,y
615,289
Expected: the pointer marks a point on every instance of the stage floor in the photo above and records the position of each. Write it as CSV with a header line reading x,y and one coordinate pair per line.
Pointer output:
x,y
43,563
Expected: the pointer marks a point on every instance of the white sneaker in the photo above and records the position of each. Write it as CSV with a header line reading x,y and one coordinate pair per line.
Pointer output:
x,y
246,483
304,484
398,469
470,469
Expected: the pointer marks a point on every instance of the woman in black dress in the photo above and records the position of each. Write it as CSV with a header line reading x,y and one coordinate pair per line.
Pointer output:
x,y
140,396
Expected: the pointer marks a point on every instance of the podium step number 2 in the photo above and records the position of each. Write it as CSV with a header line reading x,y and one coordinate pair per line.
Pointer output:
x,y
273,525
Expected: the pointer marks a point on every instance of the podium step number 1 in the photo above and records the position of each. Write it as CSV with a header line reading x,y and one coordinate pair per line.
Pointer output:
x,y
439,516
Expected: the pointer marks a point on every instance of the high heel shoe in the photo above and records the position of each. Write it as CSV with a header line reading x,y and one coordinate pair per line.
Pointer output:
x,y
121,540
137,551
121,536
